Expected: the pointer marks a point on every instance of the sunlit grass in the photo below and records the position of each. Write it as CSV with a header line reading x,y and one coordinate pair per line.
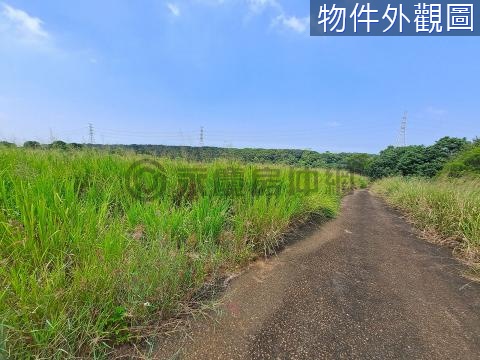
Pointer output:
x,y
448,207
82,262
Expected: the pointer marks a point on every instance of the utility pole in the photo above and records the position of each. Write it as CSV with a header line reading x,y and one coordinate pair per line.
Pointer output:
x,y
91,133
403,131
202,137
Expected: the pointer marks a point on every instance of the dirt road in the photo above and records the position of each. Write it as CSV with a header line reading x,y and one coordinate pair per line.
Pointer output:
x,y
362,286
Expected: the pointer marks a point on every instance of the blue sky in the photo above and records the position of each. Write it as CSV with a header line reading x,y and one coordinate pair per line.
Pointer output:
x,y
246,70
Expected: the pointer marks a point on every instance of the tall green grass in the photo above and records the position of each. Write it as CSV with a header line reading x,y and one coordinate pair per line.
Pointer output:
x,y
83,262
447,207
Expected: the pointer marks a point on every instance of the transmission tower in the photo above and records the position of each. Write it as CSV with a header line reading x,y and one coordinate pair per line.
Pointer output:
x,y
91,133
202,137
52,137
403,131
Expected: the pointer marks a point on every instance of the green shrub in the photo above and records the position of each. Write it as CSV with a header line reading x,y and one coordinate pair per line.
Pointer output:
x,y
467,163
60,145
449,207
32,144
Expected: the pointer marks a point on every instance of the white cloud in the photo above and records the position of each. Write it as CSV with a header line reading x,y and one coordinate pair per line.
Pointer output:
x,y
23,33
23,25
286,21
213,2
274,7
174,9
257,6
299,25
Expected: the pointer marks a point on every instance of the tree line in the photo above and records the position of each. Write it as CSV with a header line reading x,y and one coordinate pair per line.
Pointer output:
x,y
449,155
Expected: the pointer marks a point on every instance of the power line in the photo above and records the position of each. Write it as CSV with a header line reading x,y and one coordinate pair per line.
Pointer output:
x,y
222,134
141,133
217,136
71,131
120,135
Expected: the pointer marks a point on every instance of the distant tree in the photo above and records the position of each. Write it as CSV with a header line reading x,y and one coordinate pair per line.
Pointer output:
x,y
416,160
7,144
331,158
447,147
310,159
386,163
358,163
411,160
75,146
32,145
58,145
291,157
442,151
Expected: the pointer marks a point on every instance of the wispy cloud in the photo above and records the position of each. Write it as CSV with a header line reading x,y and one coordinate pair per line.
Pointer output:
x,y
22,32
299,25
21,25
174,9
213,2
258,6
280,18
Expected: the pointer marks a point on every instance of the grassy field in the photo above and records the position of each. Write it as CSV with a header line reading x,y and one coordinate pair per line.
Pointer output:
x,y
447,208
84,261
